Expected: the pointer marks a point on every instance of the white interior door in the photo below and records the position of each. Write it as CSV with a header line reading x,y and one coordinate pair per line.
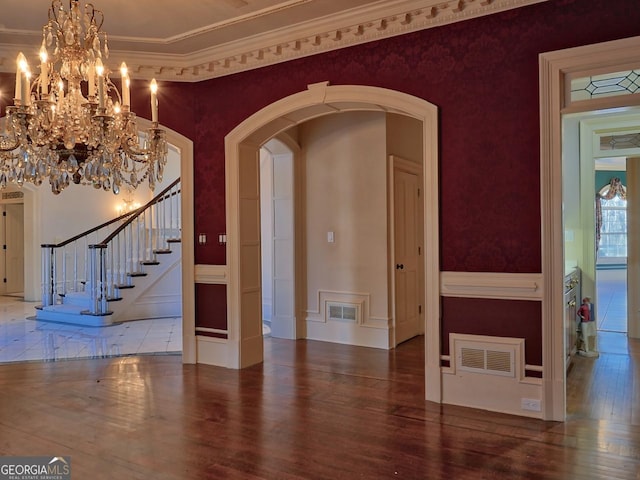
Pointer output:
x,y
14,247
406,241
283,286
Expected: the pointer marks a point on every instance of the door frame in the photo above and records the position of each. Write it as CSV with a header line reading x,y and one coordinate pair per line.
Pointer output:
x,y
244,344
555,71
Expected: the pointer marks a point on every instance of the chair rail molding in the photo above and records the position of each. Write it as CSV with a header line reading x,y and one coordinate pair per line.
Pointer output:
x,y
511,286
212,274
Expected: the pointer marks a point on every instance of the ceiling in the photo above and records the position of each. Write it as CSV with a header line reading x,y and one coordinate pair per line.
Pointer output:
x,y
193,40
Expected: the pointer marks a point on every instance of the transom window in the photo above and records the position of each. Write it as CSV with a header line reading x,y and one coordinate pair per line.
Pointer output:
x,y
609,84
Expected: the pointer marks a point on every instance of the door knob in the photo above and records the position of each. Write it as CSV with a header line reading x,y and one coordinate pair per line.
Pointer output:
x,y
399,266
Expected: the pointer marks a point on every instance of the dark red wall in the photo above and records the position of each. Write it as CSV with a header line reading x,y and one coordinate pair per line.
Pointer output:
x,y
499,318
483,76
211,305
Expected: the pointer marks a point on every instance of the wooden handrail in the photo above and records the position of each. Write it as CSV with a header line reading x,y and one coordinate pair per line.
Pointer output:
x,y
136,213
88,232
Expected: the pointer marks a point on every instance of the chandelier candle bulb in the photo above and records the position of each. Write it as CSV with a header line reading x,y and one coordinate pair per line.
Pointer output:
x,y
154,101
20,62
100,73
91,80
26,90
126,92
44,71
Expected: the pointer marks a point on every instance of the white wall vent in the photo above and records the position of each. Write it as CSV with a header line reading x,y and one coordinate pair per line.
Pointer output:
x,y
486,358
348,312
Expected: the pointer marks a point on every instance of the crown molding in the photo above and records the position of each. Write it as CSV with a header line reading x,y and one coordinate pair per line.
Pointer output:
x,y
360,25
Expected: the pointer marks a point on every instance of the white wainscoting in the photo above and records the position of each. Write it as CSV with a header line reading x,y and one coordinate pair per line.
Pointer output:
x,y
517,391
364,330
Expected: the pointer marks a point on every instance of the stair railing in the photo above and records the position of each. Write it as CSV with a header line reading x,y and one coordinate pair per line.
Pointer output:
x,y
65,265
123,254
102,267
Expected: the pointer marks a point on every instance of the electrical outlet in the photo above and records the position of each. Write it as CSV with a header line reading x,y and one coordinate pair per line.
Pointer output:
x,y
530,404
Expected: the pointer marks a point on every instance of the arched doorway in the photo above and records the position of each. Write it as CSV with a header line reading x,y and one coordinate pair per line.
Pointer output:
x,y
244,344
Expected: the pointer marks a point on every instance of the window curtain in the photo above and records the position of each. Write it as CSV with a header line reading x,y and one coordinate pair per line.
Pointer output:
x,y
615,188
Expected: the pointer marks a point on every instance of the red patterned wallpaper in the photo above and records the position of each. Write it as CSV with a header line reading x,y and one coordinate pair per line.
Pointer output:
x,y
483,76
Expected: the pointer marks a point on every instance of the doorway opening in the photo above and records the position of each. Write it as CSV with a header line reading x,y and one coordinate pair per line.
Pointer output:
x,y
40,214
12,238
557,70
337,215
278,232
244,344
611,247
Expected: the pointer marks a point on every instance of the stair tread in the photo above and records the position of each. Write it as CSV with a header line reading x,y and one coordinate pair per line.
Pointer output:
x,y
74,294
65,308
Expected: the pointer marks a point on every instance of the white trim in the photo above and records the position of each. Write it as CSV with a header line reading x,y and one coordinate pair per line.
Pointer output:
x,y
511,286
211,330
211,274
555,68
320,99
514,389
185,147
533,368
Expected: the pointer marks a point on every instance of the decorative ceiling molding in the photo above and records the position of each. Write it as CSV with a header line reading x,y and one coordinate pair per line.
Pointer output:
x,y
352,27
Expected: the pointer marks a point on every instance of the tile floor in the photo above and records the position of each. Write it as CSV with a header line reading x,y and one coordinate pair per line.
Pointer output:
x,y
24,339
611,301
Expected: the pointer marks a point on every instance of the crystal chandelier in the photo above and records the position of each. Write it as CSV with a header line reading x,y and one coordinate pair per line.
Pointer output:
x,y
70,124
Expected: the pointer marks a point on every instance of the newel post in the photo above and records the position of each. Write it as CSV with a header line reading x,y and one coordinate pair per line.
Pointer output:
x,y
98,278
48,275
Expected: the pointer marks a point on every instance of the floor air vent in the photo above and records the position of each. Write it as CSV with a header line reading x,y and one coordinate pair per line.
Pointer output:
x,y
343,311
487,360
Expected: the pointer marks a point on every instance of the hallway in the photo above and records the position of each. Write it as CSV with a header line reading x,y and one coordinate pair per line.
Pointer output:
x,y
611,285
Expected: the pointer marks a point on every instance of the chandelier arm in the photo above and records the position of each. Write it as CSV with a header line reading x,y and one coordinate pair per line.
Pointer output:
x,y
95,11
132,151
16,144
155,136
115,89
52,11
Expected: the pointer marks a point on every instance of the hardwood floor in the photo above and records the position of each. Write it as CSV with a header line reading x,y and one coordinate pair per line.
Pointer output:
x,y
313,410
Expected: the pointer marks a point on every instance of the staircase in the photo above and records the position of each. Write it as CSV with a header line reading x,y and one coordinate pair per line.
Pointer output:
x,y
126,269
